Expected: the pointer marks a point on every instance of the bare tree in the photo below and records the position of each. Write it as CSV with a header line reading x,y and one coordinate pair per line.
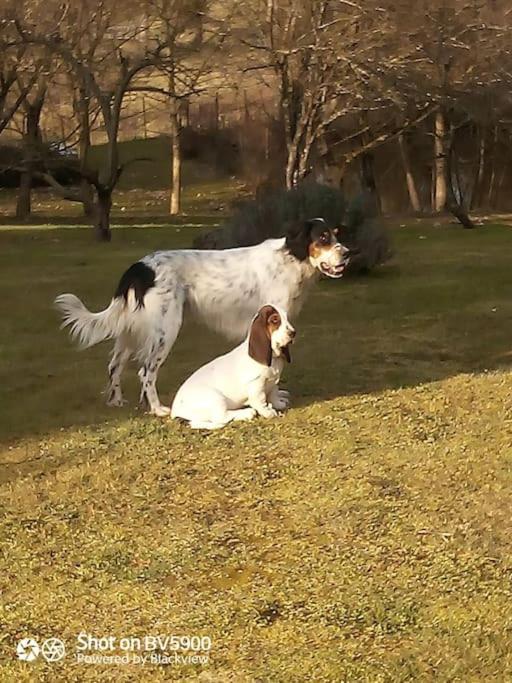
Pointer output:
x,y
298,40
104,54
412,189
32,136
17,73
348,78
331,60
193,37
452,68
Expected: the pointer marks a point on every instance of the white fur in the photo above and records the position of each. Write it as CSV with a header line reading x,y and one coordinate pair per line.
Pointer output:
x,y
235,386
222,288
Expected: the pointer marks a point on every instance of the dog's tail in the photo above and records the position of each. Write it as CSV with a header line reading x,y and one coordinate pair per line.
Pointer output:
x,y
125,313
89,328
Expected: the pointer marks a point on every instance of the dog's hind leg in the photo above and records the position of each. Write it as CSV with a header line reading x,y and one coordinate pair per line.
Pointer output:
x,y
156,351
217,422
120,356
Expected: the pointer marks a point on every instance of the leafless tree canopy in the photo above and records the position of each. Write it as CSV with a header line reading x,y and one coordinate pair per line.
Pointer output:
x,y
408,100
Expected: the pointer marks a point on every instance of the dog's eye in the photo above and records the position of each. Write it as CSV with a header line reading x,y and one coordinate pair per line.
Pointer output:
x,y
274,319
325,238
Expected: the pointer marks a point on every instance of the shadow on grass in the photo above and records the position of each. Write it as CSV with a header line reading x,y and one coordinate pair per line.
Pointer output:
x,y
442,309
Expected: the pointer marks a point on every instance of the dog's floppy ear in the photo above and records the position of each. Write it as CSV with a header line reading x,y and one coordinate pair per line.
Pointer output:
x,y
340,230
260,348
298,238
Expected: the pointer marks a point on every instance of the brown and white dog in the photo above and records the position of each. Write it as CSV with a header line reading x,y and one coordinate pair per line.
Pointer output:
x,y
244,382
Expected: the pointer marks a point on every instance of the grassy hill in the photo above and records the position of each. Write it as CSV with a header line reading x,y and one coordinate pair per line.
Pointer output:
x,y
143,190
362,537
150,162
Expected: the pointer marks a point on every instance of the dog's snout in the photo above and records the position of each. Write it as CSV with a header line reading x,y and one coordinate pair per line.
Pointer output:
x,y
345,251
292,333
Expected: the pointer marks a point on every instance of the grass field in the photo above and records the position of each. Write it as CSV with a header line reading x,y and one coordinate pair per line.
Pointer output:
x,y
365,536
206,189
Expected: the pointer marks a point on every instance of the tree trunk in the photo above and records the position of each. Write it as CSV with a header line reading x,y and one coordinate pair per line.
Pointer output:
x,y
87,193
492,181
295,117
500,184
32,139
82,105
433,187
367,161
303,162
368,177
175,198
307,146
454,204
440,162
303,168
476,190
102,211
291,166
412,190
24,201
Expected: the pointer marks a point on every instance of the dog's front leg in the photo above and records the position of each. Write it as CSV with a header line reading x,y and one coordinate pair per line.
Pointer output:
x,y
284,394
258,400
279,398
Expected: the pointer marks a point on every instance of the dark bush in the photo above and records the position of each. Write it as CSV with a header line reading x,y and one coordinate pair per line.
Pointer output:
x,y
269,216
364,230
215,147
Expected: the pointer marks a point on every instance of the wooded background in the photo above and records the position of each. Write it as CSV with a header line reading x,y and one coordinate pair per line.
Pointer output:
x,y
410,101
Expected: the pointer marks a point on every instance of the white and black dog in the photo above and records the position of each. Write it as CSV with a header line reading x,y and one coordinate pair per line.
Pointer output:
x,y
222,288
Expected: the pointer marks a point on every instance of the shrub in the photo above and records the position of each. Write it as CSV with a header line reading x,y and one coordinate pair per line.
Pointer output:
x,y
264,217
365,231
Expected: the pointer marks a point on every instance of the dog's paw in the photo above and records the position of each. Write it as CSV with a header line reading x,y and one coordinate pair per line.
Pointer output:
x,y
245,414
283,400
268,412
160,411
116,402
280,405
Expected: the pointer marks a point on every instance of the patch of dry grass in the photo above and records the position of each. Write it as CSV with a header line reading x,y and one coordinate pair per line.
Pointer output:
x,y
363,537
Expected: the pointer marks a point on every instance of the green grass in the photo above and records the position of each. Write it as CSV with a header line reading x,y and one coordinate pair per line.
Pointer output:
x,y
207,192
149,165
205,202
362,537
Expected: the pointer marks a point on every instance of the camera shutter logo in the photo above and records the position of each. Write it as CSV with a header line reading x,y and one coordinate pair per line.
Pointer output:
x,y
27,649
53,649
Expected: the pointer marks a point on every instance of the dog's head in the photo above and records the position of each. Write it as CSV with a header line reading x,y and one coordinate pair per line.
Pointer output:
x,y
315,242
270,335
